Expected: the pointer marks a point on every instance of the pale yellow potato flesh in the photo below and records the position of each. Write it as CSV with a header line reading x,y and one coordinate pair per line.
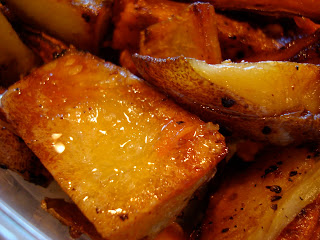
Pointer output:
x,y
278,102
16,58
81,23
125,154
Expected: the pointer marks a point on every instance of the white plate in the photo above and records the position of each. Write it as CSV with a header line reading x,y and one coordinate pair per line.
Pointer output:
x,y
21,215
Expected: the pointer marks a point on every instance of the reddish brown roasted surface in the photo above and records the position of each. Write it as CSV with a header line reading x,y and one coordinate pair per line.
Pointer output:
x,y
127,156
306,225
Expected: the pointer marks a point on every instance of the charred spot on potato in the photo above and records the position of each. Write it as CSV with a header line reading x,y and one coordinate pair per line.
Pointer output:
x,y
86,17
180,122
274,188
274,207
227,102
293,173
225,230
275,198
124,217
266,130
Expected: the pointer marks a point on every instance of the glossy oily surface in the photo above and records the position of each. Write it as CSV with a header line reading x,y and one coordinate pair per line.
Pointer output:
x,y
127,156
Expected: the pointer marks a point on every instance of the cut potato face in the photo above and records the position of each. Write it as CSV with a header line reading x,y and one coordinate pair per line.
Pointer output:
x,y
81,23
260,201
126,155
268,100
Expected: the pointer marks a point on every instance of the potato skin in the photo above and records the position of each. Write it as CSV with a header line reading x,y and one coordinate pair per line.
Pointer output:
x,y
178,78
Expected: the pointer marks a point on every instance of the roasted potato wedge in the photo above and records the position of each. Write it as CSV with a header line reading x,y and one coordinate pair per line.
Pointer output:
x,y
16,58
306,8
125,154
193,33
259,202
278,102
81,23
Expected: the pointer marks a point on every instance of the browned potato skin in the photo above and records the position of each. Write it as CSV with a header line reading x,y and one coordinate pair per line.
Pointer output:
x,y
306,8
193,33
175,76
242,200
80,83
83,24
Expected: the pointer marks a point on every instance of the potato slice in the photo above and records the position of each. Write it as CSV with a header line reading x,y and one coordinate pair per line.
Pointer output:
x,y
260,201
125,154
81,23
15,59
193,33
306,8
271,101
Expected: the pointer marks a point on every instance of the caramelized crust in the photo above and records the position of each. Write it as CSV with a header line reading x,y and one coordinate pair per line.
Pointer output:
x,y
126,155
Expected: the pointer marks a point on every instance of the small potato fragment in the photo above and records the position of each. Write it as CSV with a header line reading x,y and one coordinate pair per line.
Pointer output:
x,y
81,23
306,8
128,157
16,156
15,58
277,102
260,201
192,33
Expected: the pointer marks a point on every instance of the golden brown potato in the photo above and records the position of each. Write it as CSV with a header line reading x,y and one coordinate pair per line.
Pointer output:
x,y
138,15
306,8
125,154
16,58
260,201
304,49
276,102
241,39
192,33
238,39
81,23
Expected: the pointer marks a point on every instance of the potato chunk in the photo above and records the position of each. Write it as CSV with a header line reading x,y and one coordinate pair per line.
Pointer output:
x,y
260,201
15,58
126,155
277,102
81,23
191,34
